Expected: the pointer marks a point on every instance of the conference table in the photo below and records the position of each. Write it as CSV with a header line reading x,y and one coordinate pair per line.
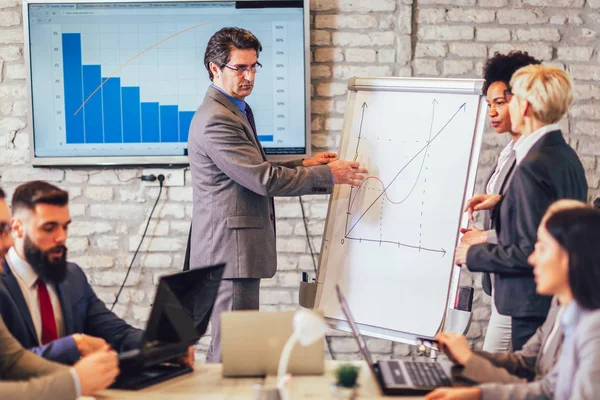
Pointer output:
x,y
207,383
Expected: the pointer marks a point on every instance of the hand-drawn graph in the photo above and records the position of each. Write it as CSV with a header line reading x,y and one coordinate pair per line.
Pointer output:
x,y
389,241
352,221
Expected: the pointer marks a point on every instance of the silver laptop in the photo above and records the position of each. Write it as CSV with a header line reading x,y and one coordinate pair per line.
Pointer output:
x,y
252,341
399,377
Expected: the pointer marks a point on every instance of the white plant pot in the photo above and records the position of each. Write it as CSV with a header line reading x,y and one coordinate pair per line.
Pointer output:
x,y
343,393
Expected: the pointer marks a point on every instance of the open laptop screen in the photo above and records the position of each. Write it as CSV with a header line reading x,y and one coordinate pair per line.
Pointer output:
x,y
183,306
362,345
196,290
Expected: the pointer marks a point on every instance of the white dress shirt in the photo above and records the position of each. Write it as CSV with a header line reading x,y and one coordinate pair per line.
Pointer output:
x,y
502,159
27,279
528,141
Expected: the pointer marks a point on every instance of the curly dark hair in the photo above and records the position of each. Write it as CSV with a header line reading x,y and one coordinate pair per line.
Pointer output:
x,y
221,43
501,67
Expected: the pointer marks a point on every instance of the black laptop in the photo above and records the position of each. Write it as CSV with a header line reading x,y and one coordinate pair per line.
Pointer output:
x,y
179,317
399,377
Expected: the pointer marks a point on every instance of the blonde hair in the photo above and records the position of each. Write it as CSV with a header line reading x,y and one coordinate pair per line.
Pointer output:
x,y
549,91
561,205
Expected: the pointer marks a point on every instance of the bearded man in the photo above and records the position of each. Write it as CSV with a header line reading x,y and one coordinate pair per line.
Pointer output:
x,y
45,301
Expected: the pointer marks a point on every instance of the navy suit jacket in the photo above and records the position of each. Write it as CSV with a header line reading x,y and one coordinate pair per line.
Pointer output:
x,y
83,312
550,171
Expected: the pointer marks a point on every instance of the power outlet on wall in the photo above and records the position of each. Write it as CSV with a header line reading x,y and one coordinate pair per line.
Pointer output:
x,y
173,177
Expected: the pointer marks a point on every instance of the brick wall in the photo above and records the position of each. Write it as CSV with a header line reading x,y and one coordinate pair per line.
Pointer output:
x,y
446,38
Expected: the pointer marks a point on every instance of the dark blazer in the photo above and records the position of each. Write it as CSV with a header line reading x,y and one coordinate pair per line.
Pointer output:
x,y
550,171
504,176
233,188
83,312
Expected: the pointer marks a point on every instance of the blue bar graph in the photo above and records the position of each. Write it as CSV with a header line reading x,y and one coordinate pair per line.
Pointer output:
x,y
73,82
150,123
101,110
111,106
169,124
185,120
93,109
132,129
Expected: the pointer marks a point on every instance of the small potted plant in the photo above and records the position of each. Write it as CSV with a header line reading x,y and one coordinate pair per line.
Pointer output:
x,y
345,388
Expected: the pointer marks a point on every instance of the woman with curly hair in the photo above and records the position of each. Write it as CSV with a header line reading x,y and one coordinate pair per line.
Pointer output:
x,y
497,72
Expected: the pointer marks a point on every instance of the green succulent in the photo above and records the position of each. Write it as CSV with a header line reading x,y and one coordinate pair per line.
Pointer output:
x,y
346,375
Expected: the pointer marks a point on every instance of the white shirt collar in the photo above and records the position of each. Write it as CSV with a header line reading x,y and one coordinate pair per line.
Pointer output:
x,y
525,143
511,145
21,268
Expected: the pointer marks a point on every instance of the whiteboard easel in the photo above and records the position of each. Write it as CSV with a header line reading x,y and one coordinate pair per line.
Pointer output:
x,y
389,243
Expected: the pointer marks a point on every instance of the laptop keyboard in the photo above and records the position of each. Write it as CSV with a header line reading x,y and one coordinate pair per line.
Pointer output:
x,y
427,374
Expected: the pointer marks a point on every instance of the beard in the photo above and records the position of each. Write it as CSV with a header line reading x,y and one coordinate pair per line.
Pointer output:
x,y
48,270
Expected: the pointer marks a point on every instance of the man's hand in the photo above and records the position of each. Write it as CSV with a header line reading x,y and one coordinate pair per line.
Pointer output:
x,y
319,159
460,254
189,359
88,344
481,202
455,346
473,236
445,393
347,172
97,371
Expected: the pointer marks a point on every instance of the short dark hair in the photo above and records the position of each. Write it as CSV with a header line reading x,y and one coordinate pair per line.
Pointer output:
x,y
2,194
221,43
30,194
501,67
577,231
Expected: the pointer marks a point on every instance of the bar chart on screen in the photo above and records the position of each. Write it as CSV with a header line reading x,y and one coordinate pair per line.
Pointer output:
x,y
151,98
127,78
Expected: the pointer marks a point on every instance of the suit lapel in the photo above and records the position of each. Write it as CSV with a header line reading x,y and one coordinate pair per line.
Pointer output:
x,y
216,95
506,176
487,180
15,292
63,291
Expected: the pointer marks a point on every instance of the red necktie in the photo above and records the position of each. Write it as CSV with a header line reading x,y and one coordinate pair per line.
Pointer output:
x,y
48,322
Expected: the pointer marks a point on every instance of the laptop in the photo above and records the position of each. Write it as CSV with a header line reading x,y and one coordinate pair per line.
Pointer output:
x,y
267,331
399,377
179,317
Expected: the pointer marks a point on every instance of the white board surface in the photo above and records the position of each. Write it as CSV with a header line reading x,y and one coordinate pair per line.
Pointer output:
x,y
389,243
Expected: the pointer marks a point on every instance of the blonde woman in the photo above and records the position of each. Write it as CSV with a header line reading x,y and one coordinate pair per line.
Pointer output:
x,y
547,169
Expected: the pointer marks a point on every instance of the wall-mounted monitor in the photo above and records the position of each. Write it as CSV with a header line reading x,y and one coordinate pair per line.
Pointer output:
x,y
118,82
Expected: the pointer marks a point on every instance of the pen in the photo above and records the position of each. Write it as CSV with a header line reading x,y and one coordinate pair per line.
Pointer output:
x,y
355,157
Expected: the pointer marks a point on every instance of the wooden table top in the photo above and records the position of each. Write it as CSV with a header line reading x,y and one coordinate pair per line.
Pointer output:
x,y
207,383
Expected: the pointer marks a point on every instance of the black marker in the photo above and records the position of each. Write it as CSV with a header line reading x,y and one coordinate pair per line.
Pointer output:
x,y
304,277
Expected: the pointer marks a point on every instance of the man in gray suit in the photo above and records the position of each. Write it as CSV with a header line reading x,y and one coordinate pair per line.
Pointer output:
x,y
234,183
47,380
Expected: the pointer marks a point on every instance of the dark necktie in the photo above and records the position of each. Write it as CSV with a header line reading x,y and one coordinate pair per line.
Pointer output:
x,y
49,332
250,117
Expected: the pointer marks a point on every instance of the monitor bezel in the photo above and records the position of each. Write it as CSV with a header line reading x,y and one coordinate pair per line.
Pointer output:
x,y
158,160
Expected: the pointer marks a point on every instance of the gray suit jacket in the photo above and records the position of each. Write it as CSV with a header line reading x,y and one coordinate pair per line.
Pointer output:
x,y
233,185
583,353
33,378
528,364
579,369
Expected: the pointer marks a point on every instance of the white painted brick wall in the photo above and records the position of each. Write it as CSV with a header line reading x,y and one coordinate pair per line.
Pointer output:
x,y
348,37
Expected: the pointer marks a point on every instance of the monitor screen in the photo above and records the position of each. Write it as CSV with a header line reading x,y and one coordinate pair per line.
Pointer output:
x,y
118,82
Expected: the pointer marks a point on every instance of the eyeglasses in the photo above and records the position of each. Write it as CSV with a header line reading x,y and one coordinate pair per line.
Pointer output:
x,y
4,229
242,69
